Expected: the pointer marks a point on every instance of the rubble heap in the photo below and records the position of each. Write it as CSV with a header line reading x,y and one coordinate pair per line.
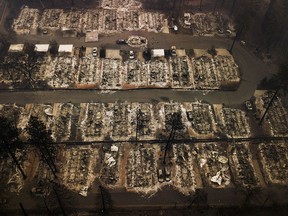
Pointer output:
x,y
11,176
158,72
181,72
63,72
121,4
136,73
206,24
112,71
234,123
120,128
277,116
274,162
212,73
111,166
184,172
242,165
141,169
88,70
91,121
201,117
214,166
106,20
63,122
143,121
137,41
27,21
78,165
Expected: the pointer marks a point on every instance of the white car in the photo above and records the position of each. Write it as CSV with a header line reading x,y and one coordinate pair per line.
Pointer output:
x,y
131,54
94,52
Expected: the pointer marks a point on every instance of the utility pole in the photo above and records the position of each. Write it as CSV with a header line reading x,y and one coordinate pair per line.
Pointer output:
x,y
237,36
59,202
232,8
23,210
215,5
102,197
138,115
24,176
46,206
171,138
49,165
200,5
269,105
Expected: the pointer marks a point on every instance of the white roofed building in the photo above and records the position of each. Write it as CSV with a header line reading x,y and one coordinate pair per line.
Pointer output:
x,y
65,48
157,53
41,47
16,48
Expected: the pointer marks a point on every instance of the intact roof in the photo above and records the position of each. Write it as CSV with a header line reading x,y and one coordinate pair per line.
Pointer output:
x,y
68,48
16,48
158,53
41,47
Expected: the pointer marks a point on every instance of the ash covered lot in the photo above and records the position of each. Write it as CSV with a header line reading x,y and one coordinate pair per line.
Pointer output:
x,y
103,20
125,121
117,146
200,70
139,168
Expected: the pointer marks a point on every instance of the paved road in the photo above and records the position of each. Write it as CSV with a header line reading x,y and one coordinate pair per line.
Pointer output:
x,y
253,70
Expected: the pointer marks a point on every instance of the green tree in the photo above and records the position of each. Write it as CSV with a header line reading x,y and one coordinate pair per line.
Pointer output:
x,y
9,140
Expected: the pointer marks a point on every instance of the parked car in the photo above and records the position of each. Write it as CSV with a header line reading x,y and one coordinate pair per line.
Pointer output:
x,y
131,54
94,52
173,50
121,41
167,174
160,175
248,105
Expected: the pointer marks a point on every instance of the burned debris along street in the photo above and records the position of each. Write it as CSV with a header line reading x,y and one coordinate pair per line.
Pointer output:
x,y
89,71
273,158
277,116
126,120
207,24
214,166
106,20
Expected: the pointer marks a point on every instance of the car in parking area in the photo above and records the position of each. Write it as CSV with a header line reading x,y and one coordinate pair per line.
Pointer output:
x,y
94,52
248,105
160,175
167,172
121,41
131,54
173,51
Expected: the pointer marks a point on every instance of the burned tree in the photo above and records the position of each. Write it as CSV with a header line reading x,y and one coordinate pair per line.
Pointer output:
x,y
22,68
175,122
41,138
9,141
105,199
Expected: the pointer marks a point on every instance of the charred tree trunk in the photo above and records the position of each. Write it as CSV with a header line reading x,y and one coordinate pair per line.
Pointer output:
x,y
269,105
232,8
200,5
15,160
23,210
215,5
59,202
